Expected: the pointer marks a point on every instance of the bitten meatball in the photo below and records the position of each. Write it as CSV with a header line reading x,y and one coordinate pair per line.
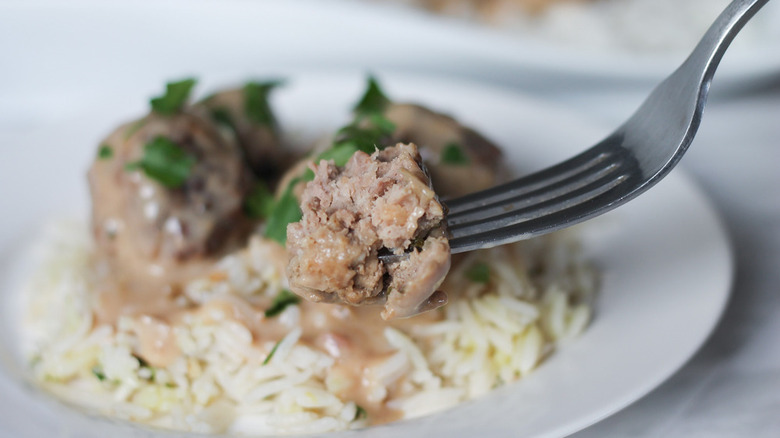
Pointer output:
x,y
376,204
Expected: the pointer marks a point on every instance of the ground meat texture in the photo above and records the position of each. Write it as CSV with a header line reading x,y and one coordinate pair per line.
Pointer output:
x,y
155,236
433,132
382,203
259,141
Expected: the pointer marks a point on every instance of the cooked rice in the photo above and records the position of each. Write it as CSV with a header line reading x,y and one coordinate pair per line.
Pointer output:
x,y
539,293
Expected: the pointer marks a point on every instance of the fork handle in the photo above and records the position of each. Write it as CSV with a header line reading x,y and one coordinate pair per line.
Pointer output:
x,y
713,45
690,82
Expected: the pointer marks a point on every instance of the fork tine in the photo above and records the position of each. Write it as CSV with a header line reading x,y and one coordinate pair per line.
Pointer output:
x,y
541,217
533,182
531,195
542,222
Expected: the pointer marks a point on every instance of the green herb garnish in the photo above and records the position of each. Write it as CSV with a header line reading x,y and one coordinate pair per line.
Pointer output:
x,y
132,129
165,162
360,413
339,154
97,371
256,104
222,116
141,361
105,152
286,211
373,100
479,273
259,204
176,95
368,136
281,301
453,154
271,354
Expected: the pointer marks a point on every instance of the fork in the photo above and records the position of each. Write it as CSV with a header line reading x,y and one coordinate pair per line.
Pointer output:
x,y
621,167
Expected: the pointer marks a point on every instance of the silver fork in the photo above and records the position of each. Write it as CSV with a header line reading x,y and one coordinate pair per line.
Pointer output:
x,y
619,168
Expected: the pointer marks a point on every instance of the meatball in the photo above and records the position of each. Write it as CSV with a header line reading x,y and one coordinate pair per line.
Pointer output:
x,y
482,166
248,117
382,203
156,233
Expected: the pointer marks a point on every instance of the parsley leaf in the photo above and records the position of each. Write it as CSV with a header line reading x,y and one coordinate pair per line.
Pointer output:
x,y
271,354
105,152
360,413
97,371
453,154
256,104
286,211
366,137
339,154
373,100
259,204
281,301
222,116
176,95
135,127
165,162
479,273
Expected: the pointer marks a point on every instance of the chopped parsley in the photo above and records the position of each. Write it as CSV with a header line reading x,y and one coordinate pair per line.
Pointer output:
x,y
259,204
141,361
479,273
453,154
360,413
271,354
105,152
165,162
286,211
97,371
281,301
256,104
367,135
339,154
373,101
222,116
176,95
132,129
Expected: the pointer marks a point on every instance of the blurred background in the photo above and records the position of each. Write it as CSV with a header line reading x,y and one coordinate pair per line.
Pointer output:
x,y
596,58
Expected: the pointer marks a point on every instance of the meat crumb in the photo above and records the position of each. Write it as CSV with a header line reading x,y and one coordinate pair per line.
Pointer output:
x,y
376,204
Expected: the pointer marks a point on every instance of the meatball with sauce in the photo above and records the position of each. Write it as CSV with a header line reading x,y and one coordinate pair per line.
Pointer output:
x,y
245,113
382,203
459,159
167,195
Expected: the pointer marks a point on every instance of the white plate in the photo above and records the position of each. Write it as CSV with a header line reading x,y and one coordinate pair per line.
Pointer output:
x,y
666,261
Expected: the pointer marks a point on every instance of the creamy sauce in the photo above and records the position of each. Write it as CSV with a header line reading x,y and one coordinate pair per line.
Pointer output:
x,y
353,336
